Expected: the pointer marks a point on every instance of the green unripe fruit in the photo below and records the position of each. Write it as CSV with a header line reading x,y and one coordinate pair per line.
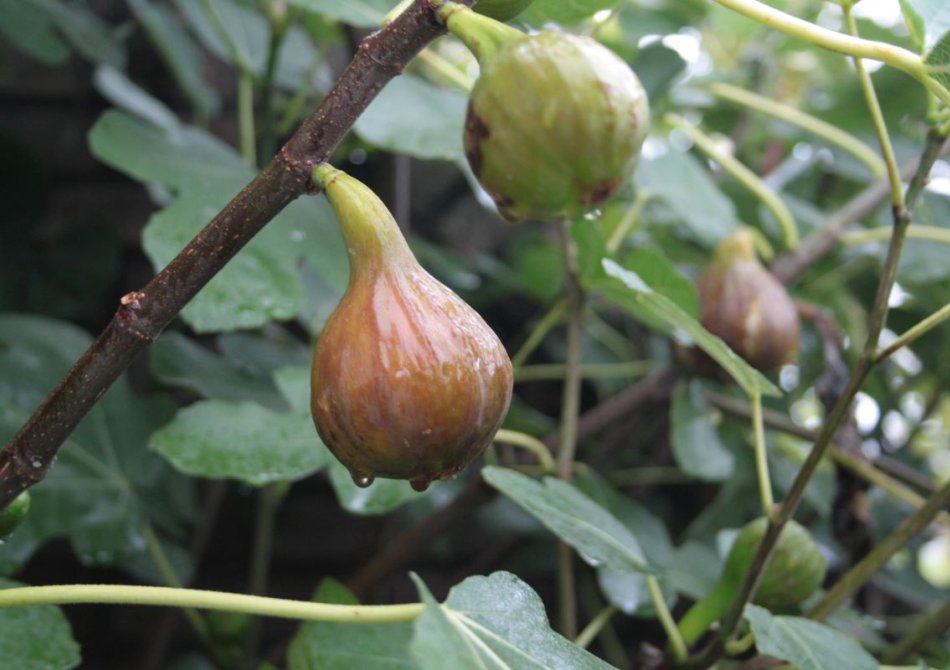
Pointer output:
x,y
501,10
555,121
408,381
795,571
14,514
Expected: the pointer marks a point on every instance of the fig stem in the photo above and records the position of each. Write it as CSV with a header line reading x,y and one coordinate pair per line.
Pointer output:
x,y
547,323
914,332
877,116
164,596
705,611
848,45
677,644
631,218
794,116
596,625
529,443
883,234
761,456
483,35
743,175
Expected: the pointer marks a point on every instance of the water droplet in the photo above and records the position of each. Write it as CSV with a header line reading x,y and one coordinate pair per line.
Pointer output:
x,y
363,481
420,484
36,463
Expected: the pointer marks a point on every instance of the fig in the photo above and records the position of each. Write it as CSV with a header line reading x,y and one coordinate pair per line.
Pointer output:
x,y
408,381
501,10
555,121
13,515
796,570
745,305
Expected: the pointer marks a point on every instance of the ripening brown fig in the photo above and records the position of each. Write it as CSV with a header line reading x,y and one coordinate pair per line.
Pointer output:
x,y
746,306
408,381
555,121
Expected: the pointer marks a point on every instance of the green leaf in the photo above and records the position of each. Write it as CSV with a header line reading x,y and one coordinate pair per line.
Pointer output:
x,y
594,532
688,195
915,24
179,52
261,283
661,275
124,93
320,645
178,361
380,497
939,58
630,292
492,623
358,13
105,483
89,35
241,441
932,15
696,445
807,644
563,12
36,637
414,117
31,30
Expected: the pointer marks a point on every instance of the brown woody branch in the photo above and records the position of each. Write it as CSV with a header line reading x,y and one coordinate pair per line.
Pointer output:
x,y
142,315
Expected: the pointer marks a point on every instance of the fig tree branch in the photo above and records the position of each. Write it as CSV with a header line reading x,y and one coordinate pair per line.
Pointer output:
x,y
142,315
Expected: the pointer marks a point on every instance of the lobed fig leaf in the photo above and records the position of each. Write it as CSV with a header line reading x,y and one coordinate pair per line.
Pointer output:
x,y
408,381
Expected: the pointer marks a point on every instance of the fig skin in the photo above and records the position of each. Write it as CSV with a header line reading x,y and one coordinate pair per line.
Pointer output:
x,y
501,10
408,381
745,305
554,124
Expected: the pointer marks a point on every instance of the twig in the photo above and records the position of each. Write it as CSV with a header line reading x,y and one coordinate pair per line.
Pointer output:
x,y
929,626
142,315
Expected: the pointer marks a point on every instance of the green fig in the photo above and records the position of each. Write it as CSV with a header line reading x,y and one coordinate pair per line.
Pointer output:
x,y
745,305
796,570
555,121
501,10
13,515
408,381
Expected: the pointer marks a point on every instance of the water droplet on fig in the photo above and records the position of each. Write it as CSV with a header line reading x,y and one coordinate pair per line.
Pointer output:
x,y
363,481
420,484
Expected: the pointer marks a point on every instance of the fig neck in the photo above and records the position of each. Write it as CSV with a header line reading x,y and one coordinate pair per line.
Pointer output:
x,y
483,35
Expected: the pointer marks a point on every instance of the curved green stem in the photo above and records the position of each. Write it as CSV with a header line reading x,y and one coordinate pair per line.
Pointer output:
x,y
540,331
793,26
761,456
446,70
877,116
883,233
705,612
630,219
592,630
677,644
162,596
743,175
531,443
914,332
246,119
826,131
483,36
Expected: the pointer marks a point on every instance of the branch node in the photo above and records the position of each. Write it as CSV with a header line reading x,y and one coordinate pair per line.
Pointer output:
x,y
128,316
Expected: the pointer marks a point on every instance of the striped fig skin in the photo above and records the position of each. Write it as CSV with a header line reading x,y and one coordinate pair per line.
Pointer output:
x,y
408,381
554,126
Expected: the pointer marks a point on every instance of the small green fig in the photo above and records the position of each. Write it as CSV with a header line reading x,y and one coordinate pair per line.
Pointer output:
x,y
408,381
13,515
555,121
501,10
745,305
796,570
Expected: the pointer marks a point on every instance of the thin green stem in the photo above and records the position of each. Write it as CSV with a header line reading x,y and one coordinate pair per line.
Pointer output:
x,y
761,456
629,221
237,56
928,627
857,576
677,645
743,175
882,233
395,11
793,26
542,328
826,131
530,443
163,596
280,23
656,475
570,412
740,646
246,119
167,571
547,371
446,70
914,332
877,116
592,630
